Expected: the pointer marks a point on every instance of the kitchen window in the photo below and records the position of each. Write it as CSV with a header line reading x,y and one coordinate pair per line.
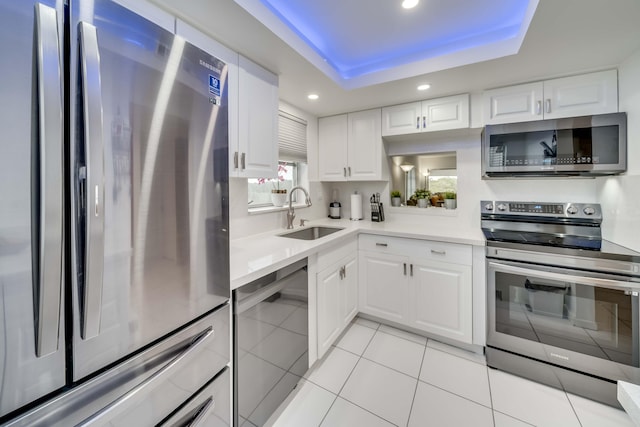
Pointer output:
x,y
292,166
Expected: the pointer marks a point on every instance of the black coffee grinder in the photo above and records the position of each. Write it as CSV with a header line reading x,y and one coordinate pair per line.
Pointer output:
x,y
334,206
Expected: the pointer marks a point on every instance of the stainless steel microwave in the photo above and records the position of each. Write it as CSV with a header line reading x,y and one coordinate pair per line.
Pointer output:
x,y
576,146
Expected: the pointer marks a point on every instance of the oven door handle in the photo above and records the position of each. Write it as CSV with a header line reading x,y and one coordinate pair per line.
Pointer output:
x,y
565,277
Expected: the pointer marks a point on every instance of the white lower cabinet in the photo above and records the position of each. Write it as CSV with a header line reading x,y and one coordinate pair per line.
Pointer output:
x,y
384,289
440,298
422,284
337,293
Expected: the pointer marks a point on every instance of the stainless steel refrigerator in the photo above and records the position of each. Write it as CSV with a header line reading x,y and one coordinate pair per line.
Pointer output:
x,y
114,252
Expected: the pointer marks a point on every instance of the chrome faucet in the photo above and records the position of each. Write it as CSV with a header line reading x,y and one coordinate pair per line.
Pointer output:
x,y
291,212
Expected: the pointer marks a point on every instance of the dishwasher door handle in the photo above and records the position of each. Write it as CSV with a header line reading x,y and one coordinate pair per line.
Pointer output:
x,y
265,292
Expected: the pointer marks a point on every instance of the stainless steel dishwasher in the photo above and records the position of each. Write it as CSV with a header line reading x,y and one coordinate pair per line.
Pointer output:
x,y
270,334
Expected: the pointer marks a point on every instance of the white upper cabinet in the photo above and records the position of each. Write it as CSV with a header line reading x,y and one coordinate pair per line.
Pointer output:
x,y
350,147
431,115
256,155
587,94
253,109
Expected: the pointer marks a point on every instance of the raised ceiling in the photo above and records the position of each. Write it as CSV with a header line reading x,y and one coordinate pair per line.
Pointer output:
x,y
565,37
359,43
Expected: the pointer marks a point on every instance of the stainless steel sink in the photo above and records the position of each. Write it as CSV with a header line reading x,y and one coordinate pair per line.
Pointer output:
x,y
311,233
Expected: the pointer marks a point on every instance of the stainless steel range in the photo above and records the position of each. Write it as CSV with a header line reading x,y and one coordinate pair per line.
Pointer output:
x,y
562,302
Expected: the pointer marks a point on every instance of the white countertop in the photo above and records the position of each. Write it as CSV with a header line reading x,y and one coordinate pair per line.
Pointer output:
x,y
255,256
629,398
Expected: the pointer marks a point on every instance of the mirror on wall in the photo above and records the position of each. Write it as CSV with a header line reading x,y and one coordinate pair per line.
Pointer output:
x,y
432,177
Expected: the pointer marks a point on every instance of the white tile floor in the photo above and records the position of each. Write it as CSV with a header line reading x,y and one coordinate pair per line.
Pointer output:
x,y
376,375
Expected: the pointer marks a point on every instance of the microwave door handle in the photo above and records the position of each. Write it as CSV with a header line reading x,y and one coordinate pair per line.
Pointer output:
x,y
564,277
91,304
47,183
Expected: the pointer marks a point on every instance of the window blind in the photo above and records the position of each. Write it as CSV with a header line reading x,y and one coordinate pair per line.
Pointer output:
x,y
292,138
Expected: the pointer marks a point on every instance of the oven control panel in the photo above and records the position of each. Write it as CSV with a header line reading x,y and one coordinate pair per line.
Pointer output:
x,y
542,209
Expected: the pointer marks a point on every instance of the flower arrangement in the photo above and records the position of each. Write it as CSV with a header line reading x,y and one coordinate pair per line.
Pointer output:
x,y
275,182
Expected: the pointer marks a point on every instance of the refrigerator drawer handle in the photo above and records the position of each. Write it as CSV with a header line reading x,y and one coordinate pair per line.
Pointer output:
x,y
202,413
47,183
91,303
139,393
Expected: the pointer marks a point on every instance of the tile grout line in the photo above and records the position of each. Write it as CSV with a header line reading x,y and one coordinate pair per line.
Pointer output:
x,y
572,408
360,357
415,391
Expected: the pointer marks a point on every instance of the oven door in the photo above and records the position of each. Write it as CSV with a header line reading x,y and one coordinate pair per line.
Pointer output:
x,y
580,320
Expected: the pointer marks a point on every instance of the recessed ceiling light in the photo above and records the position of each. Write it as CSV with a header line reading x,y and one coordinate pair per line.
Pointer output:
x,y
313,96
424,87
410,4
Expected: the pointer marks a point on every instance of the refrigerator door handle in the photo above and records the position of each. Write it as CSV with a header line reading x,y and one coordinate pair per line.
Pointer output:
x,y
91,300
140,392
47,196
202,413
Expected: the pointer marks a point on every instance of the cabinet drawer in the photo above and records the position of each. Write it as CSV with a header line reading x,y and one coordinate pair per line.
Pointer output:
x,y
445,252
386,244
338,252
415,248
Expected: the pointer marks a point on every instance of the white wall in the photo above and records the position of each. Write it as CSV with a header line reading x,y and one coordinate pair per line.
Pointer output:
x,y
620,195
244,224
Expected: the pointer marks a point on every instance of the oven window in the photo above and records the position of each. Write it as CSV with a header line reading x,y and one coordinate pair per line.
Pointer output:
x,y
581,318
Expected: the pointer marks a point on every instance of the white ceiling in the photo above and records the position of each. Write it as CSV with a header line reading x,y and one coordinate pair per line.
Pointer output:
x,y
359,43
565,37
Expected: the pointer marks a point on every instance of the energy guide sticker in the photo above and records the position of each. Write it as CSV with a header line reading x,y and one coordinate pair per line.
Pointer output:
x,y
214,85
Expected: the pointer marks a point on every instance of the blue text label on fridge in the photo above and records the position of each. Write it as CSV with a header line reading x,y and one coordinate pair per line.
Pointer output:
x,y
214,85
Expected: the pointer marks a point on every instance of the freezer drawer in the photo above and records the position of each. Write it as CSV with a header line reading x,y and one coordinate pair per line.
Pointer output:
x,y
147,388
211,407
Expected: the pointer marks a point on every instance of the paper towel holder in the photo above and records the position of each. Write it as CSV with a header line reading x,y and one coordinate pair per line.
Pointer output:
x,y
356,207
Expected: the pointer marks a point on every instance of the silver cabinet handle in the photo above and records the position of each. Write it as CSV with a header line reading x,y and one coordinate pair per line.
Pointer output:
x,y
203,412
47,274
418,122
382,244
235,160
242,161
538,107
438,252
411,270
344,172
405,268
141,391
424,122
94,258
547,106
349,168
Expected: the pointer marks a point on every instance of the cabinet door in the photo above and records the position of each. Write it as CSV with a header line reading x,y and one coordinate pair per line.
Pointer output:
x,y
446,113
328,283
512,104
383,286
349,292
364,146
594,93
332,148
441,298
258,121
402,119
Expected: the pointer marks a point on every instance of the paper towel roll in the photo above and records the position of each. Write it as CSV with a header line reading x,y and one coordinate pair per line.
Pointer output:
x,y
356,207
